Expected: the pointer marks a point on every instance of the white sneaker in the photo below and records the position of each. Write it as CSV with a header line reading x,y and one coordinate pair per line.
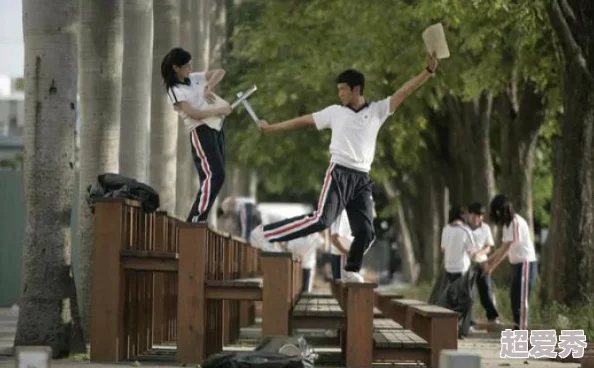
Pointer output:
x,y
257,239
349,276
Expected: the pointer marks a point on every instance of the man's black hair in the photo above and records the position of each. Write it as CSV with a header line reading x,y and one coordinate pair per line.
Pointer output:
x,y
476,208
352,78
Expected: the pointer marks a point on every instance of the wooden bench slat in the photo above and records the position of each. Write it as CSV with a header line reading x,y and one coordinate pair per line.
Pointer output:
x,y
386,324
433,311
408,302
255,282
132,253
398,339
389,294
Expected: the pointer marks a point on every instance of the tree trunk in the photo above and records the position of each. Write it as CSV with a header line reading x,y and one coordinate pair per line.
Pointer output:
x,y
520,121
48,312
136,88
217,39
573,226
217,32
552,251
472,176
164,121
185,164
410,267
100,81
430,207
200,31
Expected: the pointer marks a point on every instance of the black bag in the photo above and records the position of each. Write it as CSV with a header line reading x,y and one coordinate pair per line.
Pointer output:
x,y
119,186
254,359
272,352
459,297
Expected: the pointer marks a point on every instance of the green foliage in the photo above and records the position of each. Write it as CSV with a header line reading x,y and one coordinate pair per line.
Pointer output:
x,y
293,51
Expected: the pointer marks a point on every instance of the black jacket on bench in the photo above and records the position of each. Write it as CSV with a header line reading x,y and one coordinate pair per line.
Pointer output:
x,y
119,186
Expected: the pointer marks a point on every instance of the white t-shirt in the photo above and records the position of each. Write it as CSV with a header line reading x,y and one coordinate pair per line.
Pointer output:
x,y
354,133
483,236
342,227
193,94
457,244
305,247
522,248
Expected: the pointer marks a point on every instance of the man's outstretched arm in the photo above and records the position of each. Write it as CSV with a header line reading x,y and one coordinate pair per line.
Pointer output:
x,y
409,87
295,123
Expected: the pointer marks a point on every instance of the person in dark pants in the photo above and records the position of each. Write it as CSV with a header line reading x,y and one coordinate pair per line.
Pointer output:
x,y
483,237
518,246
190,93
355,125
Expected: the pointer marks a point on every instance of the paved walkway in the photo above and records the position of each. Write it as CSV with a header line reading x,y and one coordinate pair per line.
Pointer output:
x,y
487,346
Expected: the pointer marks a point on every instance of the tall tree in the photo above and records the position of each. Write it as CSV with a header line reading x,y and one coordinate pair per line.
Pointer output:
x,y
163,139
571,239
136,88
48,309
100,85
185,165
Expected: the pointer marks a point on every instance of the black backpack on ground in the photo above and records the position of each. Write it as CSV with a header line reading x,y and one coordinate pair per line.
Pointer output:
x,y
270,353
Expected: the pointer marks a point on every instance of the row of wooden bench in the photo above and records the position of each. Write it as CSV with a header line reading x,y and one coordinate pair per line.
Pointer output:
x,y
386,328
158,279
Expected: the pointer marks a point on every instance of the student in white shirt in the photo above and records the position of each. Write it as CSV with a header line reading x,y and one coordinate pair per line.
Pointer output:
x,y
190,93
245,208
483,238
457,245
355,124
517,244
341,239
305,248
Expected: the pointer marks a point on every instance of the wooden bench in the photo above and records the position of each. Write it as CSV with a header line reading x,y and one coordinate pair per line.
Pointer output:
x,y
175,281
386,324
323,313
438,326
382,298
400,310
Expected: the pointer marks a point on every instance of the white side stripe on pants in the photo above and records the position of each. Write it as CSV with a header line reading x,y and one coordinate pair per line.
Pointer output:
x,y
205,185
524,297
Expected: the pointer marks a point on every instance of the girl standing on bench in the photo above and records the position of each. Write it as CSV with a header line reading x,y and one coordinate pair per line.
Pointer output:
x,y
517,244
190,93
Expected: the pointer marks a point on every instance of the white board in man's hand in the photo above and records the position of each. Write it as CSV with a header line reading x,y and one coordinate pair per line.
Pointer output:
x,y
435,41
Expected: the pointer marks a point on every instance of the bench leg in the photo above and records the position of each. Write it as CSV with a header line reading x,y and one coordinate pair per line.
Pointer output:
x,y
276,294
191,307
440,333
359,324
107,299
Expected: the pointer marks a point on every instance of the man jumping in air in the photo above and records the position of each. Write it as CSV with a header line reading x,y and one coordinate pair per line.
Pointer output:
x,y
347,184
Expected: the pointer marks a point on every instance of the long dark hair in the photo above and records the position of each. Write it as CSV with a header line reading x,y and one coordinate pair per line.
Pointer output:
x,y
501,210
177,57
